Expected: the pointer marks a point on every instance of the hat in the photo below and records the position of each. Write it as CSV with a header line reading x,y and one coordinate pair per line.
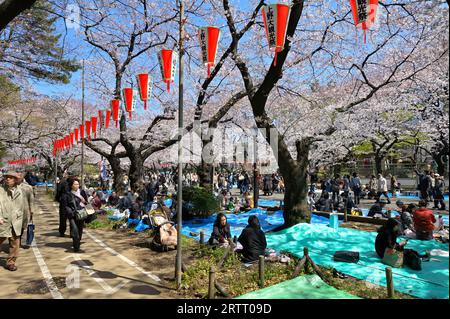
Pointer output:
x,y
436,175
399,203
12,174
382,201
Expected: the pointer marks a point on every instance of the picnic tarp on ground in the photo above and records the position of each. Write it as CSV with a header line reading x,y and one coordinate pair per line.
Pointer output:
x,y
268,221
431,282
302,287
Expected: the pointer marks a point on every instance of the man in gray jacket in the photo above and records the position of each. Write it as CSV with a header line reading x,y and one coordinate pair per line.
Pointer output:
x,y
28,197
11,216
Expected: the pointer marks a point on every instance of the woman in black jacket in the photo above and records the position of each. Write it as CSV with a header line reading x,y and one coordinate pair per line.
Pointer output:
x,y
253,240
221,231
387,238
70,202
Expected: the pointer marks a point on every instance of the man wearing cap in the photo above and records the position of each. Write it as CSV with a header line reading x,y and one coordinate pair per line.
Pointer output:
x,y
377,209
28,197
11,216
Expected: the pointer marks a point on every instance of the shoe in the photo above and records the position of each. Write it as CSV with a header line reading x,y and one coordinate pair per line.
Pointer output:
x,y
61,235
11,267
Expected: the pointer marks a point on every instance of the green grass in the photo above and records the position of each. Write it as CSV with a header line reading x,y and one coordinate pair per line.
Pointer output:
x,y
238,280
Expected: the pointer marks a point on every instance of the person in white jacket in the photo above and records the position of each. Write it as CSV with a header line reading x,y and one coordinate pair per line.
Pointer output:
x,y
382,188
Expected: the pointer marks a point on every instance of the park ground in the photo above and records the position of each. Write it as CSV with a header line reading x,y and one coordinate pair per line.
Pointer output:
x,y
117,263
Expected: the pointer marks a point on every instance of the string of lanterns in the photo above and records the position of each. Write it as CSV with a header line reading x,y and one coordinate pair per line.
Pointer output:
x,y
276,21
22,161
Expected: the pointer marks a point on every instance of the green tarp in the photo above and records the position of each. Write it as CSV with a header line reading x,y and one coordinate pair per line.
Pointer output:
x,y
303,287
431,282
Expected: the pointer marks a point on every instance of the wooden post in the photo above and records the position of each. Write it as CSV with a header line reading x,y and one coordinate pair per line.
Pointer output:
x,y
299,267
316,269
202,238
305,252
261,271
224,257
212,280
390,283
235,240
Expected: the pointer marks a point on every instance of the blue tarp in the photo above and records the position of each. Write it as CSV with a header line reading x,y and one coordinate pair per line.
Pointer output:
x,y
431,282
238,222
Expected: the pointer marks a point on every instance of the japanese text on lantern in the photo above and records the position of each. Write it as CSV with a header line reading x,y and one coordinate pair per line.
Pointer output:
x,y
271,26
362,10
203,44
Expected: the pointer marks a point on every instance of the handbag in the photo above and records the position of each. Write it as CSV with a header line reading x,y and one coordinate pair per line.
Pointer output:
x,y
80,214
393,257
30,232
346,256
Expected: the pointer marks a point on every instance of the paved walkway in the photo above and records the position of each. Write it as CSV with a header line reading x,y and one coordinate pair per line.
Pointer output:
x,y
104,268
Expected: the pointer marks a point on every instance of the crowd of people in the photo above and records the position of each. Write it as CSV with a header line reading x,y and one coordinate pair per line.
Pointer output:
x,y
341,194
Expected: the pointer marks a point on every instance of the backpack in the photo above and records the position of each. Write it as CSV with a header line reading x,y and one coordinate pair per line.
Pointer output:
x,y
412,259
165,238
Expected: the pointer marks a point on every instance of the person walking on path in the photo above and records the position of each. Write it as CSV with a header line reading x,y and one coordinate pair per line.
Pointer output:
x,y
394,186
11,216
439,187
71,201
336,188
28,197
356,187
424,185
382,188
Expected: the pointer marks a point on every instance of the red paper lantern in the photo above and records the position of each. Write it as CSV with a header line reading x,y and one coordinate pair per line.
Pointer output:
x,y
100,118
276,21
115,105
168,63
128,96
209,40
145,84
76,135
94,125
88,129
82,133
364,13
72,139
107,117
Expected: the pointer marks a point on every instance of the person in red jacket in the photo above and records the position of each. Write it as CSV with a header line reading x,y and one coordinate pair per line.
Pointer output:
x,y
424,221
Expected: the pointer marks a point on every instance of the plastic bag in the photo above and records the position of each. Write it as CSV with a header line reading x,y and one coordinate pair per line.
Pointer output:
x,y
141,227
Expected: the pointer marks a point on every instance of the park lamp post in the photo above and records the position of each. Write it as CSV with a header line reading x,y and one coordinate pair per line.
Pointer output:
x,y
178,270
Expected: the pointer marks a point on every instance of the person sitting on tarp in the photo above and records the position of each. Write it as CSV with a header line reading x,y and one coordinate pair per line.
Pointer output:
x,y
253,241
347,203
377,209
125,202
221,234
113,200
387,239
248,202
325,204
424,221
405,217
136,209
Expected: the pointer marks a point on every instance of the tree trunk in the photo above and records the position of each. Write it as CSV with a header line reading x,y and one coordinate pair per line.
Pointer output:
x,y
379,163
204,170
439,159
136,173
295,175
118,185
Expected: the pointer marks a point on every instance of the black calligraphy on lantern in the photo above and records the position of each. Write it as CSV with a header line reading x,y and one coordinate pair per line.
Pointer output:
x,y
362,10
203,45
271,27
